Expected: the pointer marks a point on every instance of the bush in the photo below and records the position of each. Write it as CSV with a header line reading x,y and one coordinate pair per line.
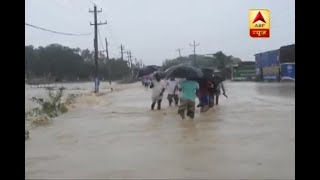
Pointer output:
x,y
63,108
51,108
48,109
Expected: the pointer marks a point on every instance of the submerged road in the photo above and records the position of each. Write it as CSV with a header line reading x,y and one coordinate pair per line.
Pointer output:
x,y
250,135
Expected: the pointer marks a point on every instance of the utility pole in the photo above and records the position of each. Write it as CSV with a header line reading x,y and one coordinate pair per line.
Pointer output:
x,y
107,49
179,50
109,62
129,58
122,48
231,71
29,68
194,51
96,45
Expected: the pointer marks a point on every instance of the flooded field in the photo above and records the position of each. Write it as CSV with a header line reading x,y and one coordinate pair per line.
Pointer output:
x,y
250,135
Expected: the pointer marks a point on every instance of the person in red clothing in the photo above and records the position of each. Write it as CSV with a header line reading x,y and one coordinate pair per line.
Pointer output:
x,y
203,95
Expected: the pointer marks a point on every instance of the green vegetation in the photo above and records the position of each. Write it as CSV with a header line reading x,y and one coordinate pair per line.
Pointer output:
x,y
63,63
53,106
50,108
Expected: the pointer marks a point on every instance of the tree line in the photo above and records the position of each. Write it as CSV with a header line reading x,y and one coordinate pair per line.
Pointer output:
x,y
71,64
218,60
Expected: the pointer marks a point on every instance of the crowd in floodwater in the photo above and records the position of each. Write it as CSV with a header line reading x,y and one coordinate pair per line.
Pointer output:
x,y
183,93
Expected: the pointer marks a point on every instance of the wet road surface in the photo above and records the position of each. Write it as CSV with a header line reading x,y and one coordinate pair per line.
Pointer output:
x,y
250,135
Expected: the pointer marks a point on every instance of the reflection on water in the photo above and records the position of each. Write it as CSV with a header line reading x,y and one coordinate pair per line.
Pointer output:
x,y
276,89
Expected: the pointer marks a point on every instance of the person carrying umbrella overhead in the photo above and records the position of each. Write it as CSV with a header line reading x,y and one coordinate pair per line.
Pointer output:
x,y
189,90
188,87
158,88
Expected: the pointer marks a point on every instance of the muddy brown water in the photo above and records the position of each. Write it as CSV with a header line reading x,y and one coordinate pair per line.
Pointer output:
x,y
250,135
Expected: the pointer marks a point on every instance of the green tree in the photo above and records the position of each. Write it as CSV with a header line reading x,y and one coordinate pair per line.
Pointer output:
x,y
217,61
70,64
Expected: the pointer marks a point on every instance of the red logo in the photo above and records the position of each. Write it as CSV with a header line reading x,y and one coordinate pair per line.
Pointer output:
x,y
259,23
259,17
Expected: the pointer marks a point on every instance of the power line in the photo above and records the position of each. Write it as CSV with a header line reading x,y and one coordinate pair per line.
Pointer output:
x,y
56,32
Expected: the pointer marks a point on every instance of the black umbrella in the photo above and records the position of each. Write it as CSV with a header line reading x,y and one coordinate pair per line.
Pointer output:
x,y
147,70
210,77
207,71
184,71
161,74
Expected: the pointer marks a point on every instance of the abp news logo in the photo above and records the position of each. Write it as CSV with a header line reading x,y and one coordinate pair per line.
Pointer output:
x,y
259,23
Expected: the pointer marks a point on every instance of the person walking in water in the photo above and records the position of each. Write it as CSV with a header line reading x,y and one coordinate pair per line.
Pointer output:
x,y
211,94
172,87
218,91
203,95
158,88
146,81
179,93
189,90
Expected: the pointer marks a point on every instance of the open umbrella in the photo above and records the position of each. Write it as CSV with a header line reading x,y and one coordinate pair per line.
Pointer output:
x,y
184,71
215,80
207,71
147,70
162,74
219,74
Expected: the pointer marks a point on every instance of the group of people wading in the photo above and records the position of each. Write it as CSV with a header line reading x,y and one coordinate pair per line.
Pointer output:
x,y
186,91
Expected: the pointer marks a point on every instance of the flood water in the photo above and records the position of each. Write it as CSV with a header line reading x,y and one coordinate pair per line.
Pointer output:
x,y
250,135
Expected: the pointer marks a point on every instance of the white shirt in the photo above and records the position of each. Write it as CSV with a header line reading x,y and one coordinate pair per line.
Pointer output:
x,y
157,88
171,85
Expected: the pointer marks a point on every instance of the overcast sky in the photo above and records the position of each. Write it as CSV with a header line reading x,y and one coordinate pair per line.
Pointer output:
x,y
154,29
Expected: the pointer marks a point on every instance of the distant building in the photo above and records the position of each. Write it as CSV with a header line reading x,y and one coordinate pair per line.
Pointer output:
x,y
287,54
287,59
244,71
267,65
277,64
